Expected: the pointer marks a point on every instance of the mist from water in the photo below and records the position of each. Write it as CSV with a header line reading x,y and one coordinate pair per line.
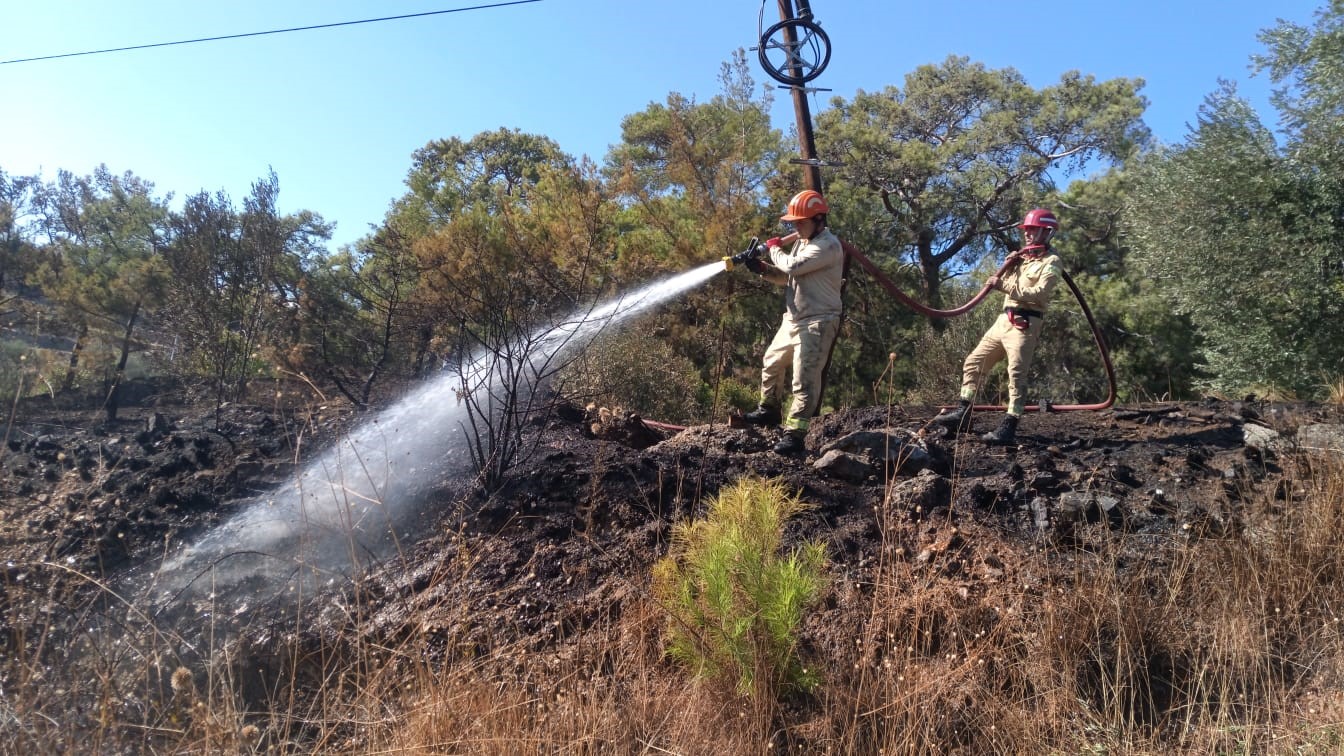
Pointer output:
x,y
349,505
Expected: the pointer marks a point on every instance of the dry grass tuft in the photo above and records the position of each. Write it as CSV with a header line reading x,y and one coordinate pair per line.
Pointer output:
x,y
1334,390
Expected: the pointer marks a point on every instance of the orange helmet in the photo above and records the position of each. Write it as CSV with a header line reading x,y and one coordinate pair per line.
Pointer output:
x,y
805,205
1040,218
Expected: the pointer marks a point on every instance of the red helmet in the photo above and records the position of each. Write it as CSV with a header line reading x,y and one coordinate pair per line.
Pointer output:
x,y
1040,218
805,205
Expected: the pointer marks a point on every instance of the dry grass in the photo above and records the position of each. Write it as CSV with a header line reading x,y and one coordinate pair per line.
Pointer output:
x,y
1334,390
608,692
1229,645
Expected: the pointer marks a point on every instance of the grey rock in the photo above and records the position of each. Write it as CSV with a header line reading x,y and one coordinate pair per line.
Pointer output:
x,y
1322,438
846,466
898,451
1266,440
921,494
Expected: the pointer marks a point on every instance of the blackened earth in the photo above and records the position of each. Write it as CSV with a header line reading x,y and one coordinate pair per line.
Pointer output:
x,y
92,508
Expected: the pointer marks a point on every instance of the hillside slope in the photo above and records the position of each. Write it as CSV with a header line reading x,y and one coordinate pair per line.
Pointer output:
x,y
568,544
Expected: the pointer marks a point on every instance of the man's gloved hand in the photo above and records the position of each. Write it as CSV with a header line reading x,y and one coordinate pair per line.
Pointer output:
x,y
755,265
773,242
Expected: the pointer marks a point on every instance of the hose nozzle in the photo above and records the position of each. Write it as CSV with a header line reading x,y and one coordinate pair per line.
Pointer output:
x,y
753,251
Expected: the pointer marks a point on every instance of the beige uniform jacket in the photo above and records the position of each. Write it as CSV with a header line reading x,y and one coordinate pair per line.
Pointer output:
x,y
812,272
1029,284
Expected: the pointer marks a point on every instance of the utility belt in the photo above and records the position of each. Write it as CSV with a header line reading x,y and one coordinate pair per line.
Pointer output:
x,y
1018,316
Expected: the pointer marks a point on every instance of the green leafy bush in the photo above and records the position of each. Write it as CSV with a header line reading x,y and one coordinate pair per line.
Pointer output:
x,y
634,370
736,602
731,394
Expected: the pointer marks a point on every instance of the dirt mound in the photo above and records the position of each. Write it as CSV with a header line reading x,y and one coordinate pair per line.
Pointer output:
x,y
581,523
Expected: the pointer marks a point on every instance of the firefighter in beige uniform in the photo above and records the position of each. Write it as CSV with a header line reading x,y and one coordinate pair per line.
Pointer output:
x,y
1027,288
812,272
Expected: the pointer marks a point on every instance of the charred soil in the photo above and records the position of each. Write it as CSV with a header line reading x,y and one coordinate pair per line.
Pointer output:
x,y
569,541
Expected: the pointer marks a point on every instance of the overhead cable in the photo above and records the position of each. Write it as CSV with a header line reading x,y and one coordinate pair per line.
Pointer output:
x,y
262,33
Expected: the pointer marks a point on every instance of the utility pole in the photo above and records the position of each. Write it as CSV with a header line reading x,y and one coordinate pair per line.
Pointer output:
x,y
802,114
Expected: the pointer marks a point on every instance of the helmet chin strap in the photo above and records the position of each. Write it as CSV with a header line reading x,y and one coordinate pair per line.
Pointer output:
x,y
1035,250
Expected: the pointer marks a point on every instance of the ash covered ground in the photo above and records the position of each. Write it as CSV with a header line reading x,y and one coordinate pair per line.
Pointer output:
x,y
92,511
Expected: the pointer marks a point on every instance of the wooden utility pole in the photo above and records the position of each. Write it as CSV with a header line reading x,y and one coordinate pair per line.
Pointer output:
x,y
803,115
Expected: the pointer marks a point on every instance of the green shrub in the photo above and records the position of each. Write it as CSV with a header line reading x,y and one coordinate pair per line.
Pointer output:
x,y
938,355
631,369
735,601
731,394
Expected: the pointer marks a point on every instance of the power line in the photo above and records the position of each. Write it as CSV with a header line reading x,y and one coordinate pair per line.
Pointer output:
x,y
262,33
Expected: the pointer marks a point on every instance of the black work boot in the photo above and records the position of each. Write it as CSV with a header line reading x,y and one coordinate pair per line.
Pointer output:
x,y
764,414
792,443
1004,434
956,418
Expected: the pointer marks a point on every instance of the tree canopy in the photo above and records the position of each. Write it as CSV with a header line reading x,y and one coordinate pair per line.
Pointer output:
x,y
1245,231
960,152
1215,261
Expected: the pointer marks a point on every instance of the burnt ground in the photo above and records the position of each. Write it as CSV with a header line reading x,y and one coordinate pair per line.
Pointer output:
x,y
570,539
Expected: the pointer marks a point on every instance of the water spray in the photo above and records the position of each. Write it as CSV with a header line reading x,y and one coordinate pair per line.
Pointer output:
x,y
350,505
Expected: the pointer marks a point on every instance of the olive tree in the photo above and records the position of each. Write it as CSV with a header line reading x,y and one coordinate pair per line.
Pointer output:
x,y
1241,239
1245,229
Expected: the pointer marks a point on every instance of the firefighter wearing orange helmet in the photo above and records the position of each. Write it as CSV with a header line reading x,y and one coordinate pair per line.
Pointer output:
x,y
811,271
1027,287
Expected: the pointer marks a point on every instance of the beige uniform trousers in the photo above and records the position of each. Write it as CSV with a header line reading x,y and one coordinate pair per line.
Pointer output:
x,y
1003,339
804,346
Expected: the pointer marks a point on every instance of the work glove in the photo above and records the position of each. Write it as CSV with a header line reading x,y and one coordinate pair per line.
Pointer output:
x,y
755,265
773,242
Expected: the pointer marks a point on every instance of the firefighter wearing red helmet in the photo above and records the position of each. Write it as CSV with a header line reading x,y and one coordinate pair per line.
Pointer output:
x,y
1027,287
811,271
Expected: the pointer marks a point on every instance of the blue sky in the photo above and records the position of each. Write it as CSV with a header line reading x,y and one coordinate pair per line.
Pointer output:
x,y
337,112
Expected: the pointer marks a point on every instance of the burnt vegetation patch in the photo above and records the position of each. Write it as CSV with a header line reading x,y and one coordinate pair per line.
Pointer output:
x,y
1074,571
